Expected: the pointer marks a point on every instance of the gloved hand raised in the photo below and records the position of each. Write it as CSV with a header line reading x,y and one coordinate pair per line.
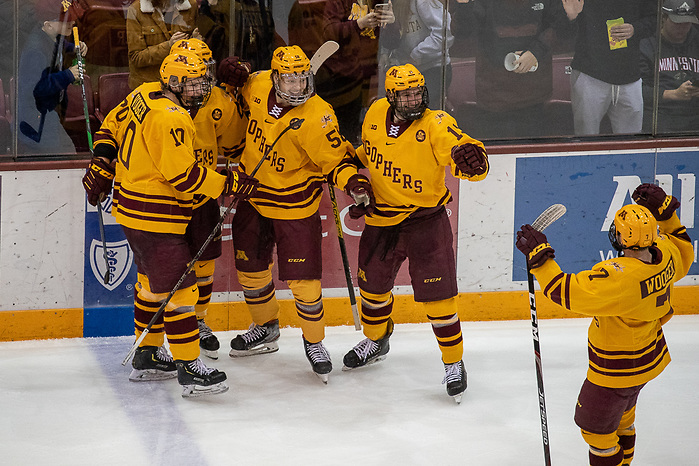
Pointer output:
x,y
653,198
470,159
533,244
233,72
98,180
359,188
239,184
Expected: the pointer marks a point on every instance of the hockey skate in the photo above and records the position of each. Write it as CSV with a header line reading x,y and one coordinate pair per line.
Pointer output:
x,y
319,358
152,363
197,379
208,343
258,339
368,351
455,379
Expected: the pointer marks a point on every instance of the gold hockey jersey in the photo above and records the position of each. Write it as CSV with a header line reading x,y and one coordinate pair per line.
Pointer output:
x,y
630,300
157,174
292,175
407,161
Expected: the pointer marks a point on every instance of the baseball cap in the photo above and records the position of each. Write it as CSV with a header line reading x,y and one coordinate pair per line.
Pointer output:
x,y
681,11
55,10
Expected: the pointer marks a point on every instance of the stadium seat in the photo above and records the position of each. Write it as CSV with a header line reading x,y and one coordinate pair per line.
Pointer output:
x,y
74,121
112,89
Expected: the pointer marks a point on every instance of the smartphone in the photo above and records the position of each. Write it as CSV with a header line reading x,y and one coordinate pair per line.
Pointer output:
x,y
382,6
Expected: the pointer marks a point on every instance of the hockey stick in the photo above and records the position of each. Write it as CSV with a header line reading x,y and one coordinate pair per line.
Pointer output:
x,y
345,260
86,111
546,218
30,132
293,124
322,54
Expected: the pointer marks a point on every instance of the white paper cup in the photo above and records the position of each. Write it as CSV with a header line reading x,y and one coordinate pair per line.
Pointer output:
x,y
510,62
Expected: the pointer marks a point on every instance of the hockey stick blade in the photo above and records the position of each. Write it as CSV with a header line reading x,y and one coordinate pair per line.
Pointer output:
x,y
549,216
323,53
26,129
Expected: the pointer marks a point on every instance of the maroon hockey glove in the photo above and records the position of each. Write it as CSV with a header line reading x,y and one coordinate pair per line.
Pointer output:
x,y
470,159
232,71
239,185
98,180
359,188
534,246
653,198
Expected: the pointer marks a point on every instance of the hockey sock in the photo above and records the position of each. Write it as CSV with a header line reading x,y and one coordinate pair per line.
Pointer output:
x,y
181,324
205,283
604,449
627,434
309,307
376,310
258,290
146,305
447,328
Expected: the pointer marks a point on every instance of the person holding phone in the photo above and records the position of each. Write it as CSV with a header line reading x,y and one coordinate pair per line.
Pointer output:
x,y
152,26
678,79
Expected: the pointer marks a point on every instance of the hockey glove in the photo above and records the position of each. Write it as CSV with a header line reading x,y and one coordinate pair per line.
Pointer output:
x,y
98,180
239,185
653,198
534,246
470,159
359,188
232,71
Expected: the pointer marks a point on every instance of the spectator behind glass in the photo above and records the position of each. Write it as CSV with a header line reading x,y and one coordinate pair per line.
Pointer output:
x,y
255,38
43,80
678,105
152,26
606,78
416,37
355,25
508,99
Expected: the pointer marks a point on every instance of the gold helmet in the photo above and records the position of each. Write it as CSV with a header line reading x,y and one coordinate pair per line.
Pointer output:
x,y
200,48
184,74
634,227
400,79
290,65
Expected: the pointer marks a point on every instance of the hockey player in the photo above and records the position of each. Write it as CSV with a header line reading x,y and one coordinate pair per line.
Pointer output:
x,y
629,298
406,148
220,129
157,177
284,211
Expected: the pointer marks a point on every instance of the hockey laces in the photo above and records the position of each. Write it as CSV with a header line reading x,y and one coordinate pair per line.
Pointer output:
x,y
199,367
317,352
453,372
204,330
163,355
366,348
255,332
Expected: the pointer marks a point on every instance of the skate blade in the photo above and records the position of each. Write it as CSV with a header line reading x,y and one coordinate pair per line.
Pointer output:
x,y
150,375
191,391
209,354
457,398
323,377
373,361
270,347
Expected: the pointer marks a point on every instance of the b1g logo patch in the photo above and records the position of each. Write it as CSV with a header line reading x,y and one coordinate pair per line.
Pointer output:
x,y
120,258
420,136
216,114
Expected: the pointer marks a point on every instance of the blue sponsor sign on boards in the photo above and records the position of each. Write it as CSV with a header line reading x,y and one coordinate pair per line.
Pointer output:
x,y
108,306
593,187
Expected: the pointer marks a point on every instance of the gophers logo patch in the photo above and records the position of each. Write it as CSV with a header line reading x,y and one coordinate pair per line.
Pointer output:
x,y
325,119
420,136
216,114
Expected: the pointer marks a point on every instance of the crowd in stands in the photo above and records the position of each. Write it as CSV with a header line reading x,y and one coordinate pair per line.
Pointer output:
x,y
507,69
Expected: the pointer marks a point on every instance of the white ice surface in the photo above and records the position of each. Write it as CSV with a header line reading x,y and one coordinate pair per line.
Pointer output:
x,y
69,402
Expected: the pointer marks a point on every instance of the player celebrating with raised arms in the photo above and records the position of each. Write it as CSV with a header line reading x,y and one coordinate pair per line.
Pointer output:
x,y
157,176
284,210
629,298
406,148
